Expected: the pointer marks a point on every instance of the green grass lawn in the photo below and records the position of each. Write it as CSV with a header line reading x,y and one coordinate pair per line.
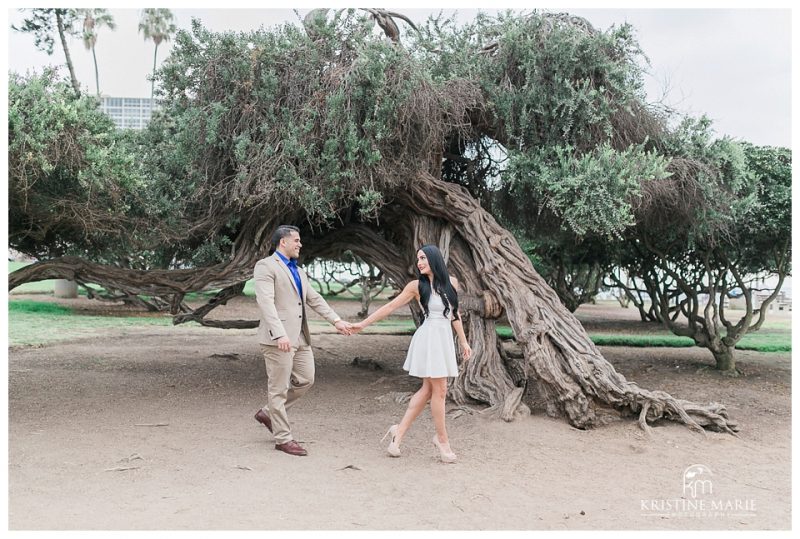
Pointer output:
x,y
770,339
35,322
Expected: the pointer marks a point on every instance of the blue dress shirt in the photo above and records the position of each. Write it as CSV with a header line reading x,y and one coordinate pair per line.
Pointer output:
x,y
292,264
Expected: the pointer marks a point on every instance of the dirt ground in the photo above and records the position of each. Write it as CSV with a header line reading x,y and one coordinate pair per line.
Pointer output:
x,y
152,428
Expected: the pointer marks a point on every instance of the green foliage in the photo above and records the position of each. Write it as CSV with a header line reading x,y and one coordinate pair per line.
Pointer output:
x,y
716,226
333,118
766,231
565,82
589,192
291,123
567,106
70,179
773,169
711,188
550,79
369,203
722,196
41,22
211,252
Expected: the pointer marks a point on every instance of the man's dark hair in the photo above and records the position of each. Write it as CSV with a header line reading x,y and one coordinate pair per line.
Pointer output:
x,y
281,232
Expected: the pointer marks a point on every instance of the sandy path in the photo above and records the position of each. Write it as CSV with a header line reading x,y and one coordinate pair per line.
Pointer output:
x,y
74,408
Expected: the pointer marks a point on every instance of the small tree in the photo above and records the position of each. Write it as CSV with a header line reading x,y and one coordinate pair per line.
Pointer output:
x,y
157,24
717,226
349,271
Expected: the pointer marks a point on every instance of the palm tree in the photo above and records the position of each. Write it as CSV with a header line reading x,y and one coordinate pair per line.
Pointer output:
x,y
92,20
64,24
157,24
40,24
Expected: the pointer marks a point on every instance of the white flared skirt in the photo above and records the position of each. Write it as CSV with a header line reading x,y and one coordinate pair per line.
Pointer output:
x,y
432,352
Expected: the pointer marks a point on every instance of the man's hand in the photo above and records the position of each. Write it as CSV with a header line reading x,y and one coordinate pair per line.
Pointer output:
x,y
345,328
284,344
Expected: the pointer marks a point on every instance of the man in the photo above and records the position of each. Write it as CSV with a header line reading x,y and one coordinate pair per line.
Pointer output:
x,y
282,292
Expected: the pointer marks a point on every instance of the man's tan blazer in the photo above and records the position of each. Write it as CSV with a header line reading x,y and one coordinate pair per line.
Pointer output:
x,y
282,309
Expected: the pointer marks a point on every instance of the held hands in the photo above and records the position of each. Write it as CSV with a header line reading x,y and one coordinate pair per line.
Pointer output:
x,y
345,328
285,345
358,326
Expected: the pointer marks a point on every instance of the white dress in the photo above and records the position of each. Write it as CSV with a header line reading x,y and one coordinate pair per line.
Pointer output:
x,y
432,352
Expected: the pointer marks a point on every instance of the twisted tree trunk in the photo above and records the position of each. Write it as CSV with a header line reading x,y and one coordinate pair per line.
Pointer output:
x,y
561,365
132,281
170,286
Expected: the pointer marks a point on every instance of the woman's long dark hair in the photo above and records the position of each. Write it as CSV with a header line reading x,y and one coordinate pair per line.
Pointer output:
x,y
441,283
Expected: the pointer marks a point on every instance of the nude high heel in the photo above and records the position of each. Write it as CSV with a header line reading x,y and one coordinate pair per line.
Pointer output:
x,y
394,446
448,457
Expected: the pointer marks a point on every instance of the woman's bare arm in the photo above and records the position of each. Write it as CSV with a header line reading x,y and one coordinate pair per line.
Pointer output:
x,y
411,291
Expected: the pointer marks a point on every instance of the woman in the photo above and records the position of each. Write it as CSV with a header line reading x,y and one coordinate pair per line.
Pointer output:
x,y
431,354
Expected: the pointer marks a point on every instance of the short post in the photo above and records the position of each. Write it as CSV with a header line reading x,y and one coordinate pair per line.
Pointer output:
x,y
64,288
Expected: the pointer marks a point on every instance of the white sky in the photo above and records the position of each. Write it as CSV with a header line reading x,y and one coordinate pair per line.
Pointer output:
x,y
732,64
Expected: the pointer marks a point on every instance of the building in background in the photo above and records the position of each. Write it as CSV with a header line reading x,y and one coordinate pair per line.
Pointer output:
x,y
128,112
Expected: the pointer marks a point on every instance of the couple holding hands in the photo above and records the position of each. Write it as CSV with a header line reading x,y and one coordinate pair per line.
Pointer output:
x,y
283,292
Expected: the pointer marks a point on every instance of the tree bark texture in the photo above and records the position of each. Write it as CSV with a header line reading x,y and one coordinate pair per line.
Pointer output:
x,y
562,367
723,356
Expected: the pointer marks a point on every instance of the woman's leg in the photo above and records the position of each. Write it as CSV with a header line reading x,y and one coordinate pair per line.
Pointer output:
x,y
415,407
438,394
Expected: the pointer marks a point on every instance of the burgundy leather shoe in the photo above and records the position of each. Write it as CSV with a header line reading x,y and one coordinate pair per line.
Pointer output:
x,y
293,448
263,417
